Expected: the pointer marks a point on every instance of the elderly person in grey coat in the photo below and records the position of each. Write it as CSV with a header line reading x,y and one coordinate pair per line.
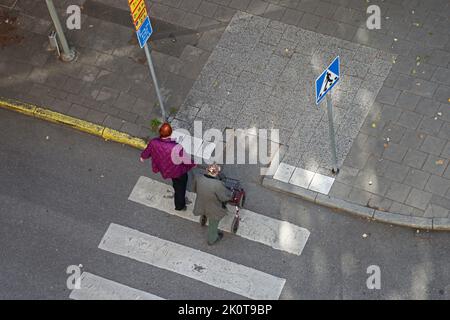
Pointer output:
x,y
211,200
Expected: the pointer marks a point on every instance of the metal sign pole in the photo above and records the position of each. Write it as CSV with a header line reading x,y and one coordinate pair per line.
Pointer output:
x,y
68,54
155,81
335,169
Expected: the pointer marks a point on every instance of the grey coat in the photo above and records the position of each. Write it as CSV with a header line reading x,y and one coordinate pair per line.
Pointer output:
x,y
210,194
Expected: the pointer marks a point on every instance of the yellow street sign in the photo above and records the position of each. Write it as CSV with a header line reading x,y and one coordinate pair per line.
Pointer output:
x,y
138,12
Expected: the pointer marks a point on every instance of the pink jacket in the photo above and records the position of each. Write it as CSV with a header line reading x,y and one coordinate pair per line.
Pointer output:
x,y
160,150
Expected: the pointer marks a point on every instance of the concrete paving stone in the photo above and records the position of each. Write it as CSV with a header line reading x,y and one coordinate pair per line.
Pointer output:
x,y
61,106
439,57
444,133
395,171
415,159
106,95
431,126
398,192
124,101
446,152
191,21
407,100
189,5
95,116
388,95
435,165
360,197
207,9
438,185
78,111
309,21
292,4
274,12
442,94
257,7
424,71
272,38
417,179
291,16
224,14
433,145
389,113
418,199
395,152
370,182
308,6
127,116
427,107
131,128
113,122
239,4
340,190
424,88
404,82
410,120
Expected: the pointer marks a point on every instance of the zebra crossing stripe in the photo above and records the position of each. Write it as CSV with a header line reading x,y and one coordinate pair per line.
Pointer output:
x,y
94,287
192,263
277,234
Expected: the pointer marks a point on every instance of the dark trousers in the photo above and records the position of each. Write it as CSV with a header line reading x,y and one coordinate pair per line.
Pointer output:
x,y
180,185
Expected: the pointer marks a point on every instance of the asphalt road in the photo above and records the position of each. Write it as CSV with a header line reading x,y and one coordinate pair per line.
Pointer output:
x,y
60,190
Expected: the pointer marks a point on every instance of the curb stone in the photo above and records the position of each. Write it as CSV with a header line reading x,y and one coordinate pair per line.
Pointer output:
x,y
78,124
442,224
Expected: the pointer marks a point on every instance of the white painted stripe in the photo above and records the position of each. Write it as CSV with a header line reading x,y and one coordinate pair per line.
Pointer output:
x,y
97,288
277,234
192,263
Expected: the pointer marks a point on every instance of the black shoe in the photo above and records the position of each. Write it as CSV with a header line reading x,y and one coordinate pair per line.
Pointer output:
x,y
203,220
219,237
182,209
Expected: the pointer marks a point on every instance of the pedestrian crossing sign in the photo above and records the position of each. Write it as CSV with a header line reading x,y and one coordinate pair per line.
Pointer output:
x,y
327,80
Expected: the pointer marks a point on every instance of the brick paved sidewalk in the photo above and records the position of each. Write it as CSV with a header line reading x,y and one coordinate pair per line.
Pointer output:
x,y
399,159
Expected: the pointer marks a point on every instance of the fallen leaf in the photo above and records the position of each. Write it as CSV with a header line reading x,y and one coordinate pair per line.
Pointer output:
x,y
374,125
385,145
440,162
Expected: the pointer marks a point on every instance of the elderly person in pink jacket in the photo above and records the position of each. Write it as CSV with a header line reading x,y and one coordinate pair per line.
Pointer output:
x,y
169,158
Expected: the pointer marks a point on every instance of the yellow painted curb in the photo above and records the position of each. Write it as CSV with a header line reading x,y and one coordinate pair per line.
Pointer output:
x,y
117,136
78,124
20,107
81,125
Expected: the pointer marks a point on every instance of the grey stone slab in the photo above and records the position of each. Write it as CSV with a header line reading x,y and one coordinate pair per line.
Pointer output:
x,y
395,171
402,220
207,9
418,199
309,21
441,94
415,158
388,95
430,126
433,145
417,179
435,211
395,152
407,100
427,107
398,192
410,119
438,185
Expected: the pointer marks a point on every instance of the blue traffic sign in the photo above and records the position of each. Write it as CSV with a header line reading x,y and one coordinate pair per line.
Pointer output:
x,y
327,80
144,32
